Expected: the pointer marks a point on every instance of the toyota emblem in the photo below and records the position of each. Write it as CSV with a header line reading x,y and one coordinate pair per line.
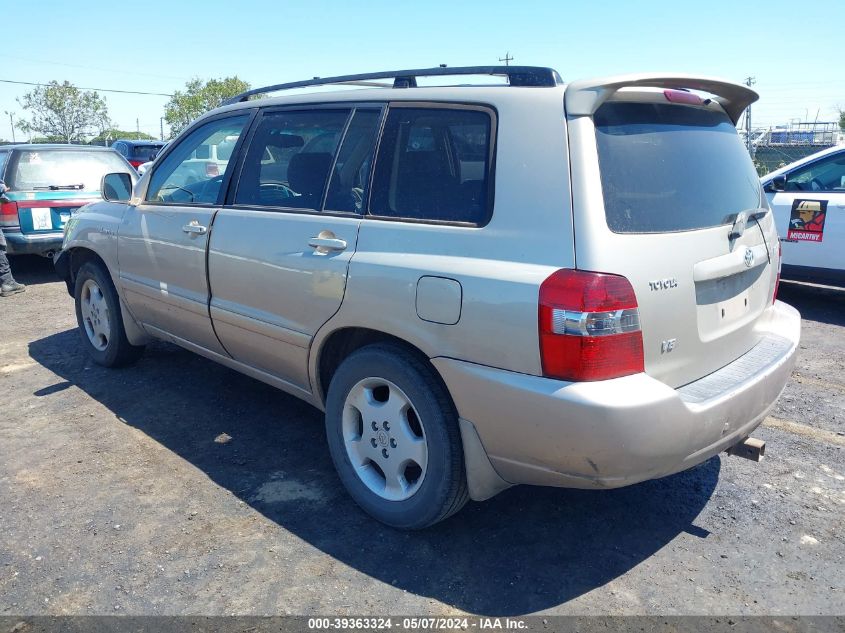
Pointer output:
x,y
749,258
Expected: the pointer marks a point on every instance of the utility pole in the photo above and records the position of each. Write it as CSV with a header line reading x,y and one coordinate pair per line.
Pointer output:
x,y
161,124
137,129
12,121
749,81
507,59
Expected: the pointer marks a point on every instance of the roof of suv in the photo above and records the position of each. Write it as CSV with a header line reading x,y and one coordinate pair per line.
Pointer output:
x,y
582,97
470,94
521,79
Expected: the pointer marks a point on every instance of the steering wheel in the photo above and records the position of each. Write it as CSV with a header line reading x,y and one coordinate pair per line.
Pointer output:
x,y
358,197
277,187
178,188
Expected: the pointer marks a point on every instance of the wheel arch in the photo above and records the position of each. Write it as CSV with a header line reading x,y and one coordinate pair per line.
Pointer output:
x,y
482,479
70,261
335,346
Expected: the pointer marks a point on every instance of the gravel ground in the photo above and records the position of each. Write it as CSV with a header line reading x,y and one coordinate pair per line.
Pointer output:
x,y
180,487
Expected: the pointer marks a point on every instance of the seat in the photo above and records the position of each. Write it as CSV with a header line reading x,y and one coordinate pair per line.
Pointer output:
x,y
425,188
307,175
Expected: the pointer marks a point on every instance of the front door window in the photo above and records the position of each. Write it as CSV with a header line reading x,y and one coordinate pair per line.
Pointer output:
x,y
194,171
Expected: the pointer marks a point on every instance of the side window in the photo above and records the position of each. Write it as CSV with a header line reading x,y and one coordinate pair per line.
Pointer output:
x,y
289,159
433,164
4,157
194,171
825,175
347,189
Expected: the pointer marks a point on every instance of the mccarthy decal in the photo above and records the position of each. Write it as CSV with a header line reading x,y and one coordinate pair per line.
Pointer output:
x,y
806,222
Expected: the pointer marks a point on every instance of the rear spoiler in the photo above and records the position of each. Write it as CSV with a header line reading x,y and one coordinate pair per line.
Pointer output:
x,y
583,98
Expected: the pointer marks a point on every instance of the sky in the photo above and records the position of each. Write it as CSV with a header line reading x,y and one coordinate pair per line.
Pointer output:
x,y
794,51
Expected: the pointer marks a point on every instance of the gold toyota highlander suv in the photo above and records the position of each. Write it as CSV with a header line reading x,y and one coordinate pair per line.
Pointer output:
x,y
520,282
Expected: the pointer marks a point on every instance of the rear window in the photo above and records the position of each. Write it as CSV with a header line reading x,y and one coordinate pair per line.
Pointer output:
x,y
145,152
667,168
66,169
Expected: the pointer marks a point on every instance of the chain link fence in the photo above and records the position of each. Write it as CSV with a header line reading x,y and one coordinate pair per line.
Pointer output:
x,y
774,147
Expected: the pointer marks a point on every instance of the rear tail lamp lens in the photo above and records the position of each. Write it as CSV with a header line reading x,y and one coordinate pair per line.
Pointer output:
x,y
589,326
9,213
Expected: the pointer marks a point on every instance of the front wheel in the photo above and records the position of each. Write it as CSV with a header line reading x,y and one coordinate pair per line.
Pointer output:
x,y
99,318
393,435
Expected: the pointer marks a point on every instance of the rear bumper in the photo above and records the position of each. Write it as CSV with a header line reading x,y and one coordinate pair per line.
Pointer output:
x,y
618,432
18,243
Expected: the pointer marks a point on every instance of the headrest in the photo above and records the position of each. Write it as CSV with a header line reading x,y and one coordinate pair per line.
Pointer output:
x,y
284,141
307,172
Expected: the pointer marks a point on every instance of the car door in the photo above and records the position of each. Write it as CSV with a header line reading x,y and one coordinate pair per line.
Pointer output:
x,y
810,216
279,253
162,241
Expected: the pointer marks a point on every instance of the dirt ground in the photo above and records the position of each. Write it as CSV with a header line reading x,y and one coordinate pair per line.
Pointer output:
x,y
119,494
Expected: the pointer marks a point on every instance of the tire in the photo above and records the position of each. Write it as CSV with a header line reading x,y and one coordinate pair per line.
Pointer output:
x,y
387,383
99,318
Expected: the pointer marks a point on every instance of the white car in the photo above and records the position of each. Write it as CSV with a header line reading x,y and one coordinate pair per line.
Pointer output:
x,y
808,200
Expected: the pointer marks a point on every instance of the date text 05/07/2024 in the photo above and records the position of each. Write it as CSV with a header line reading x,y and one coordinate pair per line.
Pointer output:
x,y
411,623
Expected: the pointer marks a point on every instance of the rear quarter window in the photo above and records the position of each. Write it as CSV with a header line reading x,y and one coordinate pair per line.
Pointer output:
x,y
667,168
434,165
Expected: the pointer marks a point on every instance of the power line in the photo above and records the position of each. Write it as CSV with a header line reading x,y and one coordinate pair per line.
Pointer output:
x,y
126,92
98,68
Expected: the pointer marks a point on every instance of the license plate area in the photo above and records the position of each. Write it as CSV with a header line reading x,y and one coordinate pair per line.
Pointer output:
x,y
730,302
734,308
44,219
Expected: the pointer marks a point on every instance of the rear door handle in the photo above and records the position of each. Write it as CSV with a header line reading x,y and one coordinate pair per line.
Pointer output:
x,y
327,243
195,228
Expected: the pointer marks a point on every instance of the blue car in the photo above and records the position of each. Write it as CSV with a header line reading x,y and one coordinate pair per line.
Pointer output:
x,y
44,186
137,152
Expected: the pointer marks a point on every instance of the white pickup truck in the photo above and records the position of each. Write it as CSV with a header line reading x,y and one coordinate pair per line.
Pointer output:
x,y
808,200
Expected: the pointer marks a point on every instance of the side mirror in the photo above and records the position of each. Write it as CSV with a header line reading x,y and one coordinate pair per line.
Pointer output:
x,y
779,183
117,187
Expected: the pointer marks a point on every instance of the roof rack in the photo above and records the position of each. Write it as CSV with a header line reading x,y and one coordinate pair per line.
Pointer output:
x,y
530,76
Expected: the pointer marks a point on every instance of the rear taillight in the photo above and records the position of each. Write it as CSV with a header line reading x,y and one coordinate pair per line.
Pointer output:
x,y
589,326
135,163
9,213
777,279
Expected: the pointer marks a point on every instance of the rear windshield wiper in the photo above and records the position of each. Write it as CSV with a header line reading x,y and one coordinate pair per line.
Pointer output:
x,y
741,219
58,187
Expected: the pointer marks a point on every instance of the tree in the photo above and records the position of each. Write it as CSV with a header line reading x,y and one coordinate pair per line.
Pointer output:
x,y
198,98
842,119
112,134
63,111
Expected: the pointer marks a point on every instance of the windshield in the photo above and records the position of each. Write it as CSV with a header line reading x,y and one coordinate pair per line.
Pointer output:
x,y
145,152
35,169
667,168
